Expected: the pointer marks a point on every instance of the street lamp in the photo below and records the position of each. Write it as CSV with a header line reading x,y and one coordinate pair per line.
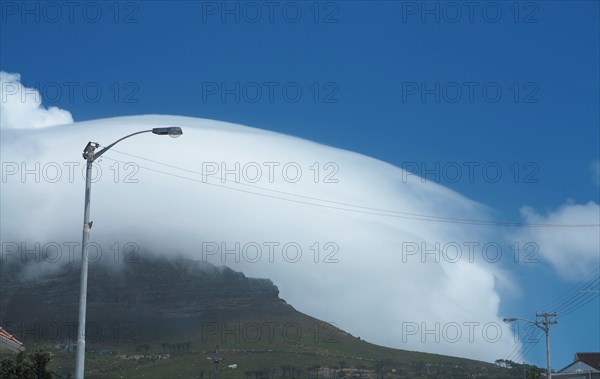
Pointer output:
x,y
90,156
543,325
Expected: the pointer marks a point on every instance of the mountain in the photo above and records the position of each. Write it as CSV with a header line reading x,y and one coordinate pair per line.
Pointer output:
x,y
162,318
148,297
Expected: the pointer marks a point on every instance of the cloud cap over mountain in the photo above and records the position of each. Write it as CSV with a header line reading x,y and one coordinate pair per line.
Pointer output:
x,y
328,226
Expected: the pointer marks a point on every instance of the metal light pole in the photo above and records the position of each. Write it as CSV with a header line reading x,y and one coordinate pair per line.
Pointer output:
x,y
90,156
545,326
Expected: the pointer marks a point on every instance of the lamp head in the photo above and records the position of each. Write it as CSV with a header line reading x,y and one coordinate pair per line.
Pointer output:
x,y
89,149
173,131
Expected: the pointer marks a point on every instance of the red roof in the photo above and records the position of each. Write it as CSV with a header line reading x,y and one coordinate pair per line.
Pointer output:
x,y
6,335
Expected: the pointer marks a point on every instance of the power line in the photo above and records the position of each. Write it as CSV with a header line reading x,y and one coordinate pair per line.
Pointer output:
x,y
574,293
531,339
590,296
354,208
578,296
543,322
534,339
559,301
568,302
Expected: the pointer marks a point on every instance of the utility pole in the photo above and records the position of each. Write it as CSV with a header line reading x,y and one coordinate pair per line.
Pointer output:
x,y
544,321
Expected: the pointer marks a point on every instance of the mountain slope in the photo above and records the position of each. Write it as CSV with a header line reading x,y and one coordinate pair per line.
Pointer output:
x,y
162,318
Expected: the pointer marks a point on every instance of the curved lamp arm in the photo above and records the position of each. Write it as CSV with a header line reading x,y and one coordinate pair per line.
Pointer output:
x,y
88,152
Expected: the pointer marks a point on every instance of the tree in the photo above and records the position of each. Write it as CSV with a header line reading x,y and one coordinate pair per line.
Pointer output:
x,y
8,369
40,362
26,367
534,373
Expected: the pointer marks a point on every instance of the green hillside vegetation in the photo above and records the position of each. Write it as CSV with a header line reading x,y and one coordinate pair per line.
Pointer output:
x,y
184,319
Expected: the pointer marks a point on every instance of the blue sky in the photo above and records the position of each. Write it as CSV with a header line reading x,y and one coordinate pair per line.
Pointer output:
x,y
413,84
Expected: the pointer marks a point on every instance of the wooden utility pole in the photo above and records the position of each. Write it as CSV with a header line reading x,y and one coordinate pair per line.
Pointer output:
x,y
544,320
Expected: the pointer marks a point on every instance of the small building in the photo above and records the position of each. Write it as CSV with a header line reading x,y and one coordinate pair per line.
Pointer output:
x,y
9,344
584,366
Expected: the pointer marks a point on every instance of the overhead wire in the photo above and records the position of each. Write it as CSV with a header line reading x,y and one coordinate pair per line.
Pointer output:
x,y
568,302
336,204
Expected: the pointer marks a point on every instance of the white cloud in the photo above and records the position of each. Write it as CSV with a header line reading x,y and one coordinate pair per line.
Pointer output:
x,y
371,291
573,251
21,107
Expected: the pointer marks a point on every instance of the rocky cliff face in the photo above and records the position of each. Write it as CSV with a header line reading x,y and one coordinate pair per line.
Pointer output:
x,y
147,299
